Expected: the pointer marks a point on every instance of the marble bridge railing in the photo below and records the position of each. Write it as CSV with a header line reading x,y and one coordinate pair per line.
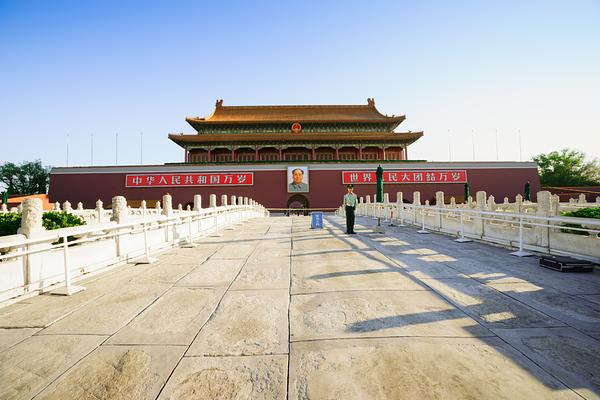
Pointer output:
x,y
36,260
522,225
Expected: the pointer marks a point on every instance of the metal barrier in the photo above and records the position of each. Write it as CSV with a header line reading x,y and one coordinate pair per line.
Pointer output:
x,y
552,228
53,241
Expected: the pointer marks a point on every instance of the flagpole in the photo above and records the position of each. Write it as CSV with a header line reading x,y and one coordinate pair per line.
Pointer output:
x,y
473,142
92,148
497,157
141,147
67,149
449,146
520,147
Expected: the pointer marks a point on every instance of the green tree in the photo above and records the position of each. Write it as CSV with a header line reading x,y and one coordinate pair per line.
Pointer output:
x,y
567,167
26,178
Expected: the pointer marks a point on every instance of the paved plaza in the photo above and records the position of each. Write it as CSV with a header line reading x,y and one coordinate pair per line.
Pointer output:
x,y
275,310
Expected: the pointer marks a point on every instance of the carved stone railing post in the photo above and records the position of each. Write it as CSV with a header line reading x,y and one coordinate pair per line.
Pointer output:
x,y
439,199
233,200
582,199
212,201
416,198
223,200
481,200
555,205
519,203
481,204
31,226
120,212
544,209
416,202
197,202
167,202
245,201
399,197
3,208
99,211
80,206
56,206
31,219
67,207
491,203
386,197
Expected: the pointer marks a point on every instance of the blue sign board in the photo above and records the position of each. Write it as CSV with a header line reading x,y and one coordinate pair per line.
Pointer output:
x,y
317,220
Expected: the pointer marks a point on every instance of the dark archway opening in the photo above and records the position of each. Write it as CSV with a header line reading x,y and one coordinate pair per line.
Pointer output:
x,y
297,205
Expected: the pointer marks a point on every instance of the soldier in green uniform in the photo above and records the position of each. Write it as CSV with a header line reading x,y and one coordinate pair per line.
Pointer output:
x,y
350,202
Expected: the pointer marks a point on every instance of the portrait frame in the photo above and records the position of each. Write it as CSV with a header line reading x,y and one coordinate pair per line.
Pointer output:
x,y
298,187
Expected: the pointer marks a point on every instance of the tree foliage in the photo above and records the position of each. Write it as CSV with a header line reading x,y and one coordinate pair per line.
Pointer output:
x,y
26,178
567,167
11,222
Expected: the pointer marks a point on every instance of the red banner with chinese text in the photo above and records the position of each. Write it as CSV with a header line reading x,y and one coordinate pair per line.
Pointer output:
x,y
425,176
203,179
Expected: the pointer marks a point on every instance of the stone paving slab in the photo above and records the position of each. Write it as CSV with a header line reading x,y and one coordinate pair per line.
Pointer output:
x,y
117,372
355,314
11,337
246,323
253,377
488,306
28,367
329,243
164,273
567,354
572,310
214,272
595,298
365,257
109,313
424,266
264,273
43,310
417,368
350,275
267,251
175,318
234,251
194,255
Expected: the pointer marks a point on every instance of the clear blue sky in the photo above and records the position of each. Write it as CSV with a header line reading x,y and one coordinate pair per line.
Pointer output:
x,y
458,70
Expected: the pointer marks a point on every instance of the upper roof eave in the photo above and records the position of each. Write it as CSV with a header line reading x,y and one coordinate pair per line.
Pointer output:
x,y
288,114
404,137
202,121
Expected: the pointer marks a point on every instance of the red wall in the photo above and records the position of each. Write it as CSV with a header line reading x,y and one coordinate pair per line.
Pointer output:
x,y
326,188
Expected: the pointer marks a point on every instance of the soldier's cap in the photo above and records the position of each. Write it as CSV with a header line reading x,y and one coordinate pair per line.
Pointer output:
x,y
350,186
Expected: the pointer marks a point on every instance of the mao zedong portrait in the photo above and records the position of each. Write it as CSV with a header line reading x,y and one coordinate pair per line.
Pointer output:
x,y
297,183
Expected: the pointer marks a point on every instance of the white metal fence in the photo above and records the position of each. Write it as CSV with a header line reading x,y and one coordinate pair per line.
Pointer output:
x,y
534,231
63,255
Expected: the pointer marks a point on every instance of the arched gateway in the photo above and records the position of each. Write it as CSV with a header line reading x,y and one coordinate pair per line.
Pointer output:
x,y
298,204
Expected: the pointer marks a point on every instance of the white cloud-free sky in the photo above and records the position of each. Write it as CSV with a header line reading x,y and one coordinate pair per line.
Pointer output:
x,y
470,74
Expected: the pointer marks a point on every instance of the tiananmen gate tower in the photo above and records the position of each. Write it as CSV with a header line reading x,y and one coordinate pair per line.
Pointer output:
x,y
290,156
